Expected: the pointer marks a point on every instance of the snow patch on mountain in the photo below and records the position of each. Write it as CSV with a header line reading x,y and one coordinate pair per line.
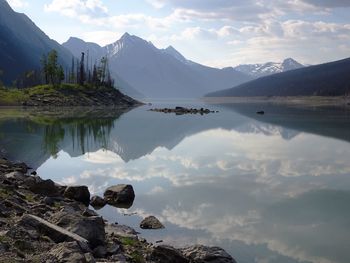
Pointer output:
x,y
269,68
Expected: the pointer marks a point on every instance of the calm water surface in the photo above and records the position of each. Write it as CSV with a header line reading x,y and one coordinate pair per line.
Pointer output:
x,y
272,188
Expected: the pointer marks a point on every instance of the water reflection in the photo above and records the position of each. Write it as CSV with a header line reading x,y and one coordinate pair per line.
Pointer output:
x,y
327,121
267,189
34,133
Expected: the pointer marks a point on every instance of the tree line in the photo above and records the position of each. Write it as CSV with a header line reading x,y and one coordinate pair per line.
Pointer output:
x,y
80,72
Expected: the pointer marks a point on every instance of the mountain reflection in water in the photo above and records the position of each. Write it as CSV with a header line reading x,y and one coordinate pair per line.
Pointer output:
x,y
270,188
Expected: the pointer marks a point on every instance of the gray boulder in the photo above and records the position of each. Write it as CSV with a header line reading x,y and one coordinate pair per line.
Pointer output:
x,y
18,176
42,187
151,222
167,254
203,254
88,212
78,193
100,252
56,233
121,195
70,252
97,202
121,230
91,228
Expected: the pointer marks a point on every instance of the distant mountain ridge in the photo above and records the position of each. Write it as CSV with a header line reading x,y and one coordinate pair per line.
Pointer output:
x,y
22,44
269,68
160,73
329,79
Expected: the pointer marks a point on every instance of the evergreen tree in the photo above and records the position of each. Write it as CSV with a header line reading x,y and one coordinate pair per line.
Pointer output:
x,y
52,71
82,75
59,74
1,84
52,67
45,69
71,74
94,80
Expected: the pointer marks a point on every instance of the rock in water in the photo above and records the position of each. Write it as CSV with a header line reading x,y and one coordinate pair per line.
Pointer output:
x,y
203,254
97,202
78,193
151,222
121,195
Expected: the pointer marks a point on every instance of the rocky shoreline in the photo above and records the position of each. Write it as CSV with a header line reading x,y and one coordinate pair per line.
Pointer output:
x,y
81,97
67,95
41,221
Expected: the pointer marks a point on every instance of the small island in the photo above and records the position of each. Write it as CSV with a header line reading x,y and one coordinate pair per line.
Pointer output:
x,y
183,110
82,85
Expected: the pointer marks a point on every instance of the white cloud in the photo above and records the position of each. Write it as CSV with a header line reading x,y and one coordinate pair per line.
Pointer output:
x,y
18,3
156,3
157,190
75,8
102,157
103,37
206,34
328,3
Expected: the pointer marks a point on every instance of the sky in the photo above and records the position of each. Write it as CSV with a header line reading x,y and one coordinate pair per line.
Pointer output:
x,y
217,33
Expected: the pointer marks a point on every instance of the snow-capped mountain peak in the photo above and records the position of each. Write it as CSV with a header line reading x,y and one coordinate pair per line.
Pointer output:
x,y
127,41
269,68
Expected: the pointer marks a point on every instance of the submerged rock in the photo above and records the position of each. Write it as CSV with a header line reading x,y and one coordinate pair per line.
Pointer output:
x,y
151,222
121,195
78,193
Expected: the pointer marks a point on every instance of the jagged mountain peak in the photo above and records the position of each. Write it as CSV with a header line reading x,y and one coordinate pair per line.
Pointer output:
x,y
269,68
290,63
127,38
75,41
125,42
170,50
290,60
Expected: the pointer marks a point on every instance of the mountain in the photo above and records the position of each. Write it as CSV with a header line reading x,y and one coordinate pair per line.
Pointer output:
x,y
22,44
95,53
176,54
76,46
261,70
330,79
161,73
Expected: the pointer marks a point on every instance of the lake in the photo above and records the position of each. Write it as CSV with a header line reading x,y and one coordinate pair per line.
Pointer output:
x,y
267,188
